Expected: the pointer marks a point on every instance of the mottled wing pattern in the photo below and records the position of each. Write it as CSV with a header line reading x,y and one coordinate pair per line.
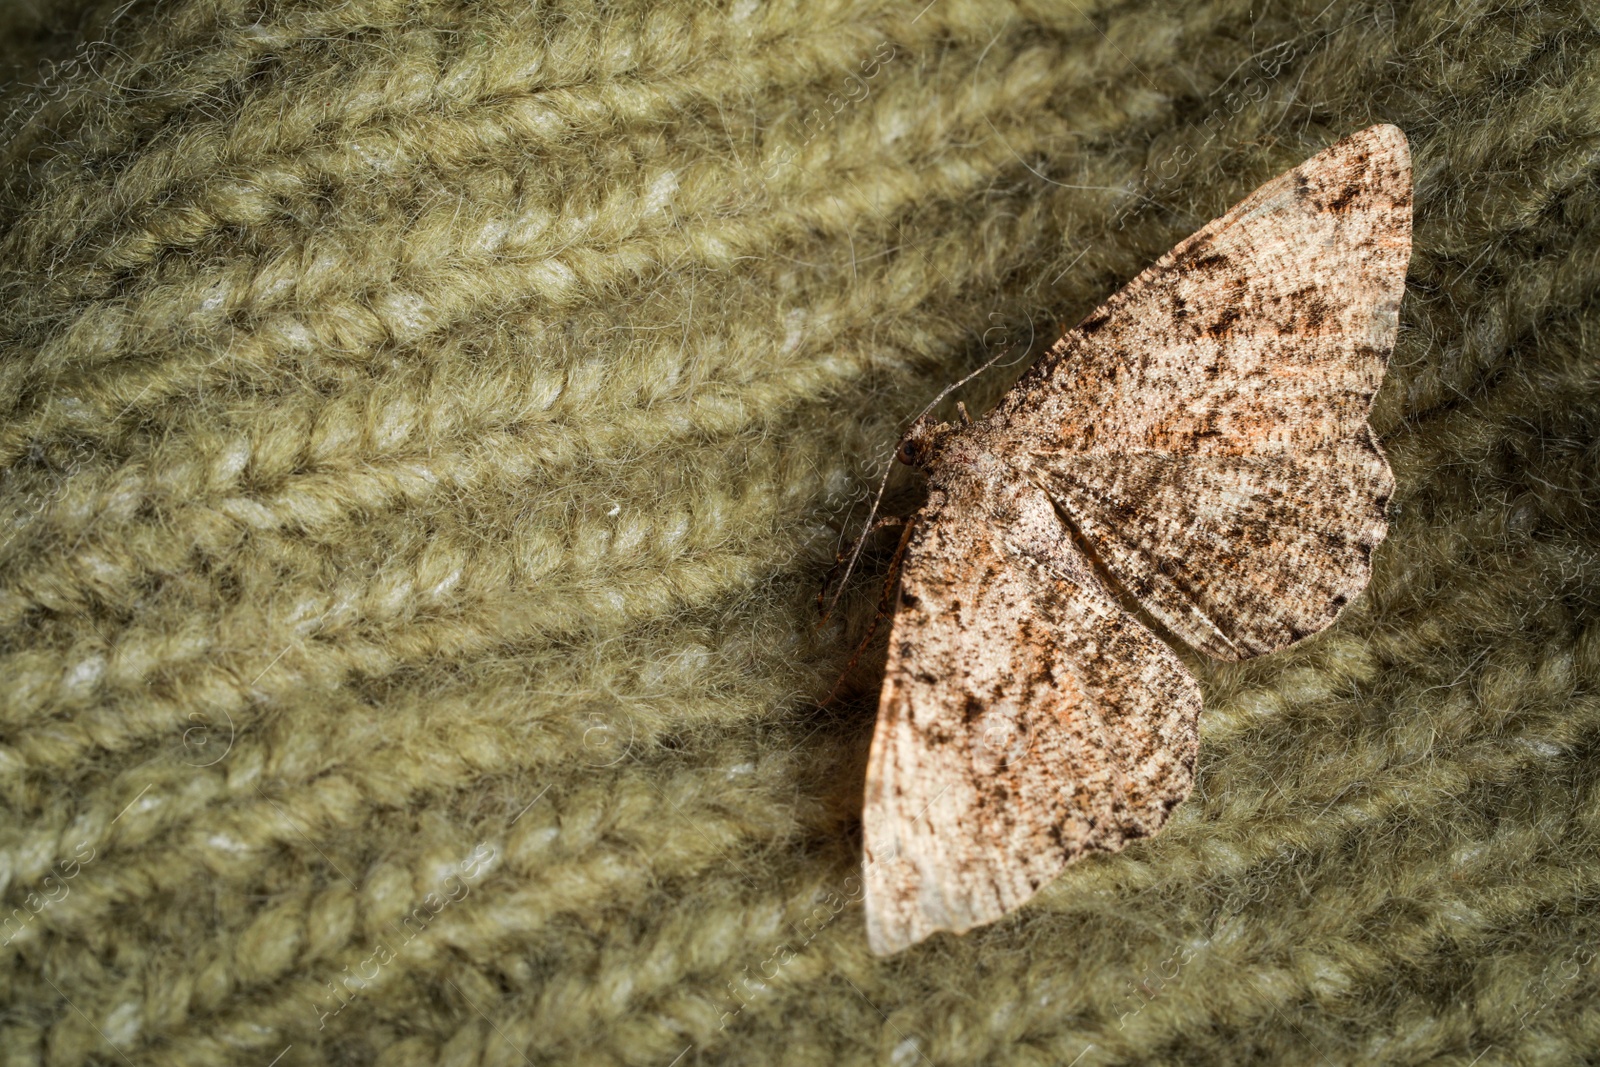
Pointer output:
x,y
1025,719
1238,555
1203,436
1206,428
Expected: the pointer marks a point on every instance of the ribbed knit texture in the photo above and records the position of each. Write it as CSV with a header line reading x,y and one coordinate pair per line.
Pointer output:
x,y
425,427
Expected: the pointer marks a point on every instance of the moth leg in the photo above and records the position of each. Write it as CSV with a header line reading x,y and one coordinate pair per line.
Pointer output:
x,y
883,523
961,409
890,584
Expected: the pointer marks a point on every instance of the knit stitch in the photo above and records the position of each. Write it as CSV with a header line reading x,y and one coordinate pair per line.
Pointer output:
x,y
424,426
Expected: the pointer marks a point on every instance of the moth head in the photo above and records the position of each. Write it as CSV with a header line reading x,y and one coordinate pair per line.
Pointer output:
x,y
923,442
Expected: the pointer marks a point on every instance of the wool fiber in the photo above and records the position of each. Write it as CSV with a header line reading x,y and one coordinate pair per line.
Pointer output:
x,y
424,427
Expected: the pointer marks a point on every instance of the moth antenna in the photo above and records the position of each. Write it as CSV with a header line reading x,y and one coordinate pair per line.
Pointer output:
x,y
855,549
883,483
877,616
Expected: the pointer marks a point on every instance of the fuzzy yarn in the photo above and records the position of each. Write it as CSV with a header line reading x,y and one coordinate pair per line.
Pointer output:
x,y
426,424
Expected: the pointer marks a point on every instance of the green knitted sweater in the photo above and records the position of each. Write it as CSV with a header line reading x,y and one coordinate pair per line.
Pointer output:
x,y
424,426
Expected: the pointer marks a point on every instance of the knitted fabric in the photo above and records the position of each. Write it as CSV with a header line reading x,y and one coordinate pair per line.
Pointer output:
x,y
427,424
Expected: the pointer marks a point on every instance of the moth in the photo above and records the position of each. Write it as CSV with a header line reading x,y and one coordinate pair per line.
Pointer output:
x,y
1193,457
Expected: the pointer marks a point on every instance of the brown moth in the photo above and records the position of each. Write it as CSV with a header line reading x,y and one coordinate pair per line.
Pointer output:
x,y
1197,450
